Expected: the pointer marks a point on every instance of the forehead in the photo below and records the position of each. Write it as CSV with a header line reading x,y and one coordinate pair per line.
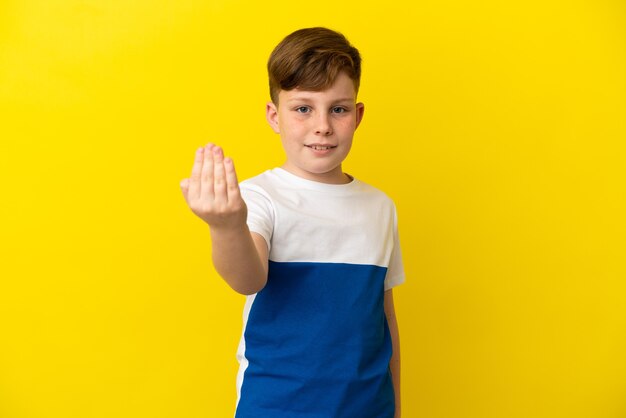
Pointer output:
x,y
341,90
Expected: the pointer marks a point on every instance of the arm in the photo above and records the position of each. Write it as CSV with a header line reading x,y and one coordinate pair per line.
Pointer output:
x,y
212,193
394,364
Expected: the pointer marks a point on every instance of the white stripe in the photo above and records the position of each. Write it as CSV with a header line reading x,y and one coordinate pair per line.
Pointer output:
x,y
241,350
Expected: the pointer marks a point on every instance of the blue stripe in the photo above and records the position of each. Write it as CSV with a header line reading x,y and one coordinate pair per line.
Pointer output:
x,y
318,344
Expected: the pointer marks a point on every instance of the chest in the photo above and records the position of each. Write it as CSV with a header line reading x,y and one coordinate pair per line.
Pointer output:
x,y
347,229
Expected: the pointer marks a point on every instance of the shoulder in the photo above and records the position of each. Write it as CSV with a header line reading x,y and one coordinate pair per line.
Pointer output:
x,y
266,184
374,193
378,204
257,180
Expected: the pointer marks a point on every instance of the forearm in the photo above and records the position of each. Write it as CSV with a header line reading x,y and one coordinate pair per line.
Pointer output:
x,y
237,260
394,364
212,193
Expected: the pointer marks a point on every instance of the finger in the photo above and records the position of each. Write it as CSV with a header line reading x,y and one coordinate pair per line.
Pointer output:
x,y
219,175
184,187
206,194
232,185
194,181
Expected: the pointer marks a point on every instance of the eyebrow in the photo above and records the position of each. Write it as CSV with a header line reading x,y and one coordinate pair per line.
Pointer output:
x,y
307,99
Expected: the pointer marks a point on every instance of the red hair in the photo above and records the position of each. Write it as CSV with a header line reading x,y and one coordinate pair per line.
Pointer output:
x,y
311,59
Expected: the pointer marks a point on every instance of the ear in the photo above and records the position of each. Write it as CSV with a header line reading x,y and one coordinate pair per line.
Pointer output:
x,y
271,114
360,110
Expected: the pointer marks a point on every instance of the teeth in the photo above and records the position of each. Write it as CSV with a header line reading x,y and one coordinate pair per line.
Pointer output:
x,y
319,148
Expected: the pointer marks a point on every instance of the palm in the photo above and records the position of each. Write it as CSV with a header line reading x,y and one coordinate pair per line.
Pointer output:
x,y
212,191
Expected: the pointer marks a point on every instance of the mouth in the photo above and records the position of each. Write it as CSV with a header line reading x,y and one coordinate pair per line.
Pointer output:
x,y
321,147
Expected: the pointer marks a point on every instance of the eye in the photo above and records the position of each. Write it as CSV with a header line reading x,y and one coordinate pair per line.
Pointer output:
x,y
303,109
339,109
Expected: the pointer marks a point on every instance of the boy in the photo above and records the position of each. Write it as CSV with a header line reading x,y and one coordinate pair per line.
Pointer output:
x,y
315,250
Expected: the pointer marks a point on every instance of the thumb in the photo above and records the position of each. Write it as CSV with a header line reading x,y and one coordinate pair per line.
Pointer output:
x,y
184,187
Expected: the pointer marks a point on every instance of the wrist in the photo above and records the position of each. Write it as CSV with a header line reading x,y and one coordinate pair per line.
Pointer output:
x,y
228,230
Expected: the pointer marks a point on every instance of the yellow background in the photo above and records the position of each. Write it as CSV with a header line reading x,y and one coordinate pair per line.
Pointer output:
x,y
497,127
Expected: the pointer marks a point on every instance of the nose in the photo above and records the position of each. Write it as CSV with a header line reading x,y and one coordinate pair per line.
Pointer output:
x,y
322,125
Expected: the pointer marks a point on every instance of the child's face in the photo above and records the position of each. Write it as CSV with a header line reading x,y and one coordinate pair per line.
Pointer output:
x,y
316,129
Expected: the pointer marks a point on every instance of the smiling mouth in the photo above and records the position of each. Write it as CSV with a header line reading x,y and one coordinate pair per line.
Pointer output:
x,y
321,147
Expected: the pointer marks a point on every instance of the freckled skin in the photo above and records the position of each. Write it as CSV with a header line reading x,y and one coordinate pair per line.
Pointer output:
x,y
306,120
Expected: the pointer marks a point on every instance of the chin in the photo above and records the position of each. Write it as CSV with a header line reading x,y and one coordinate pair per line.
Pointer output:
x,y
323,170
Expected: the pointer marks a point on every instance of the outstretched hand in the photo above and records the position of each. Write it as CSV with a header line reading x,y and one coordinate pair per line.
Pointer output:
x,y
212,191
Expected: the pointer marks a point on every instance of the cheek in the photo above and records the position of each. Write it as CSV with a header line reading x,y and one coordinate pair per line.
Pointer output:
x,y
292,130
347,124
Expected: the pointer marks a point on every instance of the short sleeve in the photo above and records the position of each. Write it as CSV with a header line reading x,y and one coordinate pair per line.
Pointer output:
x,y
395,270
260,211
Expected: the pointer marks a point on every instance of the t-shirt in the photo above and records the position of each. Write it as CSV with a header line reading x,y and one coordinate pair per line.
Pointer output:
x,y
315,340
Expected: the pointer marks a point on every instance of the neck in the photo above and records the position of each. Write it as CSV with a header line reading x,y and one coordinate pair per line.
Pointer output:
x,y
332,177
